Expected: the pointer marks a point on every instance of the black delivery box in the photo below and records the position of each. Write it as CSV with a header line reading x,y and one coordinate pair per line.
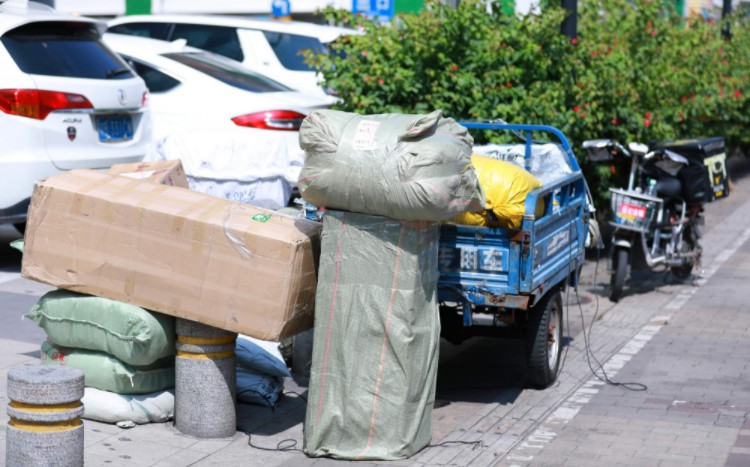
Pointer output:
x,y
705,178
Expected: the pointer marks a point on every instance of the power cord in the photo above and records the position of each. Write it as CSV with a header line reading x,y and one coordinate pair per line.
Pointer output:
x,y
632,386
476,444
285,445
290,445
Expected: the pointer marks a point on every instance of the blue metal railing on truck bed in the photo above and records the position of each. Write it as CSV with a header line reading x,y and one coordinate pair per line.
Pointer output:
x,y
514,268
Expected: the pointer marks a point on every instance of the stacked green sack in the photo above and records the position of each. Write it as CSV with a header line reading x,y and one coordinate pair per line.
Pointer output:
x,y
120,347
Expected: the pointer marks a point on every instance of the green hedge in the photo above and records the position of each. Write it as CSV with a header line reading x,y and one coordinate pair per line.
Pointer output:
x,y
637,71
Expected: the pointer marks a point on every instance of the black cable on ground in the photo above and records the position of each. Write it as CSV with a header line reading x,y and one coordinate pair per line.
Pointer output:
x,y
285,445
632,386
477,444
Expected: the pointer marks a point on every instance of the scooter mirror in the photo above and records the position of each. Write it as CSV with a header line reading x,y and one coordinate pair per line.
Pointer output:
x,y
599,150
638,149
597,143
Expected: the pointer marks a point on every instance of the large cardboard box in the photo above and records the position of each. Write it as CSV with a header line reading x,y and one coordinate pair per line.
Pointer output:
x,y
168,172
168,249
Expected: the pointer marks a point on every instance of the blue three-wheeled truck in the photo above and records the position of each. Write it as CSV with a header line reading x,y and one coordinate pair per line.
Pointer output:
x,y
513,279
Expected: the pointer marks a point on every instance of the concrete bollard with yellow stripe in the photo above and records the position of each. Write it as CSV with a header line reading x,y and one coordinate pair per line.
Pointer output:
x,y
205,380
45,410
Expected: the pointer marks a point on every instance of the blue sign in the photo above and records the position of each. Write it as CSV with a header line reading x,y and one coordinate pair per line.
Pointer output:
x,y
280,8
382,9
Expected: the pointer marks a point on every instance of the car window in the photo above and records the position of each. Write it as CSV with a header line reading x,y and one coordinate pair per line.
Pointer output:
x,y
63,49
149,29
289,47
228,71
217,39
156,81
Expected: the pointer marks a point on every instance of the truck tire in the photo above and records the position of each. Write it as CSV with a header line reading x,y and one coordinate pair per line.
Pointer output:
x,y
544,331
620,264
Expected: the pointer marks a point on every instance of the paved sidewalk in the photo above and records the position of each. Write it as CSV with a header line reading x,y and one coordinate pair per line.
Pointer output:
x,y
688,401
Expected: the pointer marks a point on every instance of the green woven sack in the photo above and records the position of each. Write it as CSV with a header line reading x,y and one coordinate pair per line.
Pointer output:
x,y
376,339
128,332
103,371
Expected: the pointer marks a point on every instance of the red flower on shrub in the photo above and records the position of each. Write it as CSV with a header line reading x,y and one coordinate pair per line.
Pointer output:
x,y
381,81
576,109
737,94
683,99
614,121
454,67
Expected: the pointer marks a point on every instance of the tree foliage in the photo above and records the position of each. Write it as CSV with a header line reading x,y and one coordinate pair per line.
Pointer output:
x,y
637,71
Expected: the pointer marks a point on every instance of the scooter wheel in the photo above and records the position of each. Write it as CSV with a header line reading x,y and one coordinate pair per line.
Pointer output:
x,y
620,262
682,272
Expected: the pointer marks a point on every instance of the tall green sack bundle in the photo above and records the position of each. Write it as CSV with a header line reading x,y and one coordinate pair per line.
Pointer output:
x,y
409,167
376,339
103,371
128,332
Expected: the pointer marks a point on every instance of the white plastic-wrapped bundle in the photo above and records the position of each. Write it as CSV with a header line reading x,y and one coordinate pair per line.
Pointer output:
x,y
547,161
254,167
407,167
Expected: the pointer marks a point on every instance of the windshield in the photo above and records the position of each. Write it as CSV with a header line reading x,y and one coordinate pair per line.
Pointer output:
x,y
289,49
228,71
63,49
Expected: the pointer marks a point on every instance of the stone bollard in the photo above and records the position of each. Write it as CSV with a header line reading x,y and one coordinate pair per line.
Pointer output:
x,y
45,410
205,381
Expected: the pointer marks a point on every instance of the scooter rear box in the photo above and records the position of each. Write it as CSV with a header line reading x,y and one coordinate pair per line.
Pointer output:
x,y
707,157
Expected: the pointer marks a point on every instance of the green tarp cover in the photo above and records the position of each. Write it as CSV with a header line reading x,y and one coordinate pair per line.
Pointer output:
x,y
376,337
411,167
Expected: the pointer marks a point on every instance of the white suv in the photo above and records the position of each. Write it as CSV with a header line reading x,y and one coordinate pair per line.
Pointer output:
x,y
273,48
66,101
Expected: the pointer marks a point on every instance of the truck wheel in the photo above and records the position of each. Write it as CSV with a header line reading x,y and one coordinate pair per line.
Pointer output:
x,y
544,330
620,265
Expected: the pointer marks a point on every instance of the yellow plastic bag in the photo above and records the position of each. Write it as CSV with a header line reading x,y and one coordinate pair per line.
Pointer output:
x,y
505,187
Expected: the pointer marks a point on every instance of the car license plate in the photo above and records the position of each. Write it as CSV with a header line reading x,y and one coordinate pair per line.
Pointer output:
x,y
114,129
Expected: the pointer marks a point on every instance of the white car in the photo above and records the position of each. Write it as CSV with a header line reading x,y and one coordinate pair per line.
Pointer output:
x,y
66,101
273,48
199,91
